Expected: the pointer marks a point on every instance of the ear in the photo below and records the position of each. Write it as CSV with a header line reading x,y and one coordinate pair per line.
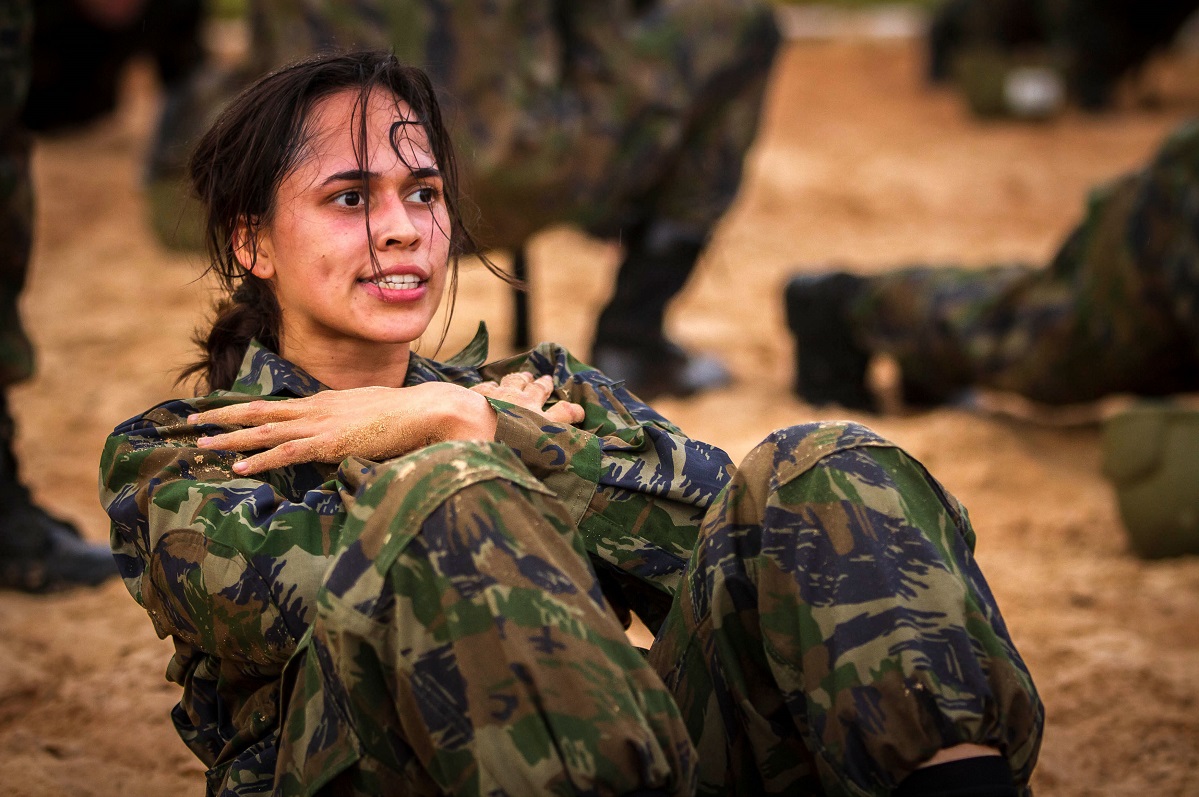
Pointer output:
x,y
253,250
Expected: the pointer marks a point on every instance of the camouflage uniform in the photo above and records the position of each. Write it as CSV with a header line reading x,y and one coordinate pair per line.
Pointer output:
x,y
1117,310
447,621
16,189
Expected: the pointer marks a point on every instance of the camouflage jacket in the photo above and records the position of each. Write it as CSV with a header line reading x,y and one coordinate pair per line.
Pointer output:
x,y
635,485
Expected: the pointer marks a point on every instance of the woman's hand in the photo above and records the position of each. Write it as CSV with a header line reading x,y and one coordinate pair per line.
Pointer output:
x,y
521,389
372,422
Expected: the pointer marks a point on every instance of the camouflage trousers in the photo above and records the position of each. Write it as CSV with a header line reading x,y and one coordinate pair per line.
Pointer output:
x,y
604,115
832,632
1117,310
16,189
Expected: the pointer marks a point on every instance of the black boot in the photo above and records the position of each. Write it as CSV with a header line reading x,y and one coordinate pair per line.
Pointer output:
x,y
830,365
629,342
39,552
657,366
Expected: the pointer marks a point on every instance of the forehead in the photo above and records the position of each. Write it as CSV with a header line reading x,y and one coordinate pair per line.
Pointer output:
x,y
393,130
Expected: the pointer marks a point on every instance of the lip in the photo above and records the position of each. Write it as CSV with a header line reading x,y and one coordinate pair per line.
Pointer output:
x,y
396,294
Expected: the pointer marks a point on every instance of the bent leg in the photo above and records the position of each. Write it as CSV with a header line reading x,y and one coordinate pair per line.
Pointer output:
x,y
462,646
834,630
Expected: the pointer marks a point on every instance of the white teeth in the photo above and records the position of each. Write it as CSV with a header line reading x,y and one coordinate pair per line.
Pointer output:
x,y
398,282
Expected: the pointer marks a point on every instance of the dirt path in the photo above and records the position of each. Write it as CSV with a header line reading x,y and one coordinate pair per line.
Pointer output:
x,y
857,165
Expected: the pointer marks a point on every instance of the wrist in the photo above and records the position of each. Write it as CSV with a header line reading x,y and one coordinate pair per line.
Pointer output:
x,y
471,417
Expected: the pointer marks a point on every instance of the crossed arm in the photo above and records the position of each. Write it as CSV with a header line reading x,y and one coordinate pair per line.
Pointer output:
x,y
376,423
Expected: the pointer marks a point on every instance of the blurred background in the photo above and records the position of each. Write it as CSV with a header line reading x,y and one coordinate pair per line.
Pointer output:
x,y
890,133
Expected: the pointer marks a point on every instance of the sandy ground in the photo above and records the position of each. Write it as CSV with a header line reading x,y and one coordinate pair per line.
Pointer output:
x,y
857,164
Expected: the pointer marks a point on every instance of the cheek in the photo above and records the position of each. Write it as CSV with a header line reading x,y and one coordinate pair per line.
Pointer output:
x,y
439,223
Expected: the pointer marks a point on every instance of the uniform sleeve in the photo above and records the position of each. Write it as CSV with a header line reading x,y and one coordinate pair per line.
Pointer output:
x,y
634,483
226,563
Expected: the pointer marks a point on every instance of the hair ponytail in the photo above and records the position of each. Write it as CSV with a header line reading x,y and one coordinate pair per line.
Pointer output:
x,y
251,313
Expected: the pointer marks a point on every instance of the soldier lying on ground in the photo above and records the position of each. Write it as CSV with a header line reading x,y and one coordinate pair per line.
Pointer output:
x,y
387,574
1116,310
630,120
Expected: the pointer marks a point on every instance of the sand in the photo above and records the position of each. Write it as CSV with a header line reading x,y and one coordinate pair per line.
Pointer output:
x,y
858,164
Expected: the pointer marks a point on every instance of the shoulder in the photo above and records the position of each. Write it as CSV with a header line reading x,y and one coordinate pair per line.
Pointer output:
x,y
173,414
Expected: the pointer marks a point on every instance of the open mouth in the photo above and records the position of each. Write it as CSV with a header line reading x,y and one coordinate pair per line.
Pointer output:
x,y
396,282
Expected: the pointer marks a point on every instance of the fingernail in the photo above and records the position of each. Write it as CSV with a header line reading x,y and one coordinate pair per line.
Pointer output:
x,y
203,441
192,418
240,466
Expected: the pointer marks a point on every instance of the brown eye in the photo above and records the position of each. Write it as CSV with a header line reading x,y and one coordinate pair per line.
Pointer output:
x,y
425,195
348,199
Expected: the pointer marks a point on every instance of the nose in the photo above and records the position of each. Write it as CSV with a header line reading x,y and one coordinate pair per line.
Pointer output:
x,y
392,224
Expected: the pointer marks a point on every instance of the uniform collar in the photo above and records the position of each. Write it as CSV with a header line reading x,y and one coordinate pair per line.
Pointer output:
x,y
264,373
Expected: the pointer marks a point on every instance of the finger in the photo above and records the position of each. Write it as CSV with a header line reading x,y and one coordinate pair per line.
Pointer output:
x,y
252,413
486,388
566,412
544,385
291,452
517,380
268,435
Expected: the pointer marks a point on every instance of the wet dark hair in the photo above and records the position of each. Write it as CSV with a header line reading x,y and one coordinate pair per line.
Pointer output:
x,y
238,165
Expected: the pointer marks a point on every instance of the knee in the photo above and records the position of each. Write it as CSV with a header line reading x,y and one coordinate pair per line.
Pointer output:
x,y
431,476
454,461
788,453
830,489
397,498
445,500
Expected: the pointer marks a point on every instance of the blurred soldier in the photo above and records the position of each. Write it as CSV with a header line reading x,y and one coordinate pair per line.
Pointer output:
x,y
81,48
630,119
37,551
1116,311
1094,42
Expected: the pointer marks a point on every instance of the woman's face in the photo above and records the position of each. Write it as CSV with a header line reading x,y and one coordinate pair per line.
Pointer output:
x,y
315,249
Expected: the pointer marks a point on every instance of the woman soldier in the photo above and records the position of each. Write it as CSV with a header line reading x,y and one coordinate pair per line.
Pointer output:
x,y
385,574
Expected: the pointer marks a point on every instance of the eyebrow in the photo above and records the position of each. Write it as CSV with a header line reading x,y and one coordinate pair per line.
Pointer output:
x,y
362,175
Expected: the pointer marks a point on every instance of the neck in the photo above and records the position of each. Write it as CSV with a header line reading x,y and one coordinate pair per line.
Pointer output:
x,y
353,364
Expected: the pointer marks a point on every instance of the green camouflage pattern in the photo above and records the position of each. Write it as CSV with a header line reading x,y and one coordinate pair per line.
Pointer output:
x,y
598,113
450,621
835,630
1117,310
16,188
462,645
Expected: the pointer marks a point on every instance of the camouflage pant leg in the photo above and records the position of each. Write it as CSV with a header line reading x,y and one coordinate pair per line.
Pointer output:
x,y
16,189
723,118
834,630
462,646
692,162
1116,310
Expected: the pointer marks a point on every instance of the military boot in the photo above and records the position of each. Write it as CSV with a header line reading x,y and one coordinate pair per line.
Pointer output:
x,y
657,366
830,365
39,552
630,343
